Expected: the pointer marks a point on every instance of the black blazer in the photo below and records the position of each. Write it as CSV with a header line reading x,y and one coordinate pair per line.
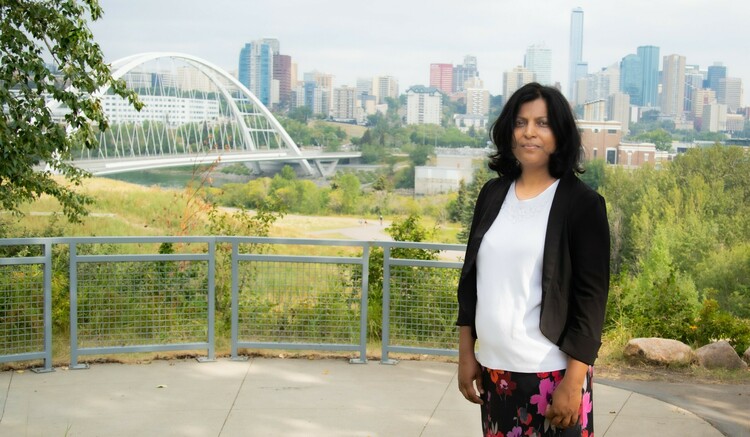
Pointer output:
x,y
575,265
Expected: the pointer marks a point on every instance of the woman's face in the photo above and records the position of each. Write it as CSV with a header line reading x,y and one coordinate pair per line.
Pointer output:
x,y
533,140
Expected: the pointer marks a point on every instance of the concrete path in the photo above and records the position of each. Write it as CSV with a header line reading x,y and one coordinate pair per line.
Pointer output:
x,y
276,397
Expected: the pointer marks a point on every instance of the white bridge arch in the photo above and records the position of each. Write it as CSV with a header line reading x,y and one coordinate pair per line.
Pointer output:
x,y
223,118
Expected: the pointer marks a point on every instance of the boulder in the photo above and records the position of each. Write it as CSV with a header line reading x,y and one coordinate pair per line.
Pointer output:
x,y
746,356
659,351
719,355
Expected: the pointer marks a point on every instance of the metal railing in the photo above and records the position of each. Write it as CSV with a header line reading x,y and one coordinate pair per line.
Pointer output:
x,y
146,294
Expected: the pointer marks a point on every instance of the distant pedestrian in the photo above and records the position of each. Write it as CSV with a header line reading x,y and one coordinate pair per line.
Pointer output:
x,y
533,288
381,219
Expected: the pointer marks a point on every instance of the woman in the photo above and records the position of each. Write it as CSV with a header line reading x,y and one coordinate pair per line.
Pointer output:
x,y
534,284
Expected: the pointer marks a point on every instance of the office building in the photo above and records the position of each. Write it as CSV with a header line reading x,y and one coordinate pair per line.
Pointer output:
x,y
714,118
595,110
465,72
735,123
730,93
650,67
423,105
599,85
477,101
715,73
693,82
384,86
441,77
538,60
344,103
631,78
618,109
701,98
673,86
170,110
515,79
575,62
324,81
256,69
282,72
364,85
190,78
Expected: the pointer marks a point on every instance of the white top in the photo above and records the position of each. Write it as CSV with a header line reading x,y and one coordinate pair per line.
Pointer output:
x,y
509,288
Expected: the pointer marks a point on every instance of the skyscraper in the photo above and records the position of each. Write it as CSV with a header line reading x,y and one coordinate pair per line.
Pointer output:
x,y
650,67
515,79
538,60
441,77
716,72
282,71
673,86
576,49
693,83
256,68
464,72
730,93
631,78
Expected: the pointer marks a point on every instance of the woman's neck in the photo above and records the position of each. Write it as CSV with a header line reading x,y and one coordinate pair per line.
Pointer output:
x,y
531,183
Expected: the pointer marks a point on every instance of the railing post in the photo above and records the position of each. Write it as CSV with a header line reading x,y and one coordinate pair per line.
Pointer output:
x,y
235,301
73,274
211,302
363,306
47,310
385,338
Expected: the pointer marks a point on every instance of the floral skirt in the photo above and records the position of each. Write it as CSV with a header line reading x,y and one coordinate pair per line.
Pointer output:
x,y
515,403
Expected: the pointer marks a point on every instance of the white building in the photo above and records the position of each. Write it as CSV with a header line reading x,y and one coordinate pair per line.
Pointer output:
x,y
384,86
477,101
538,60
465,122
735,123
423,105
344,103
168,109
451,167
714,118
730,93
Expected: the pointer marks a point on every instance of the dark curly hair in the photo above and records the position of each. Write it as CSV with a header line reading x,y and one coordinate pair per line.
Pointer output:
x,y
569,150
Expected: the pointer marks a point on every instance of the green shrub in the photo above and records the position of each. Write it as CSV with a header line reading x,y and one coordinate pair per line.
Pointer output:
x,y
713,324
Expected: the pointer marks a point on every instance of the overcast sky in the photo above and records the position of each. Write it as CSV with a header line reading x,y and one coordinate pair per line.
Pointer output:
x,y
401,38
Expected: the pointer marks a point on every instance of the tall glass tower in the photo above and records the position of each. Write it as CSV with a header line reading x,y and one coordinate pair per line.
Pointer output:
x,y
538,60
631,78
716,72
576,50
650,63
256,69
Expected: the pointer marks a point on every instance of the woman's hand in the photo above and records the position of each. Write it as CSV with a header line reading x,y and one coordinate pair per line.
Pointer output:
x,y
469,370
565,408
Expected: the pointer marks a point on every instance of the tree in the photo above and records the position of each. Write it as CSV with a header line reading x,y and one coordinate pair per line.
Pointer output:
x,y
29,137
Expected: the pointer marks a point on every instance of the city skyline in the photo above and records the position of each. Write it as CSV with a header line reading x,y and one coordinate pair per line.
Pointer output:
x,y
403,39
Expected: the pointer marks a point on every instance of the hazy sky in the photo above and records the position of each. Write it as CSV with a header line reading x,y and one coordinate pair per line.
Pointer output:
x,y
401,38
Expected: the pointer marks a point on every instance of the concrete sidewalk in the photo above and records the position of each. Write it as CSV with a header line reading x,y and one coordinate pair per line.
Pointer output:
x,y
275,397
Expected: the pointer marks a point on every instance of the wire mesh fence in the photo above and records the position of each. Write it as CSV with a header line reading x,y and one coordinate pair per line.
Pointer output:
x,y
141,303
299,302
21,309
144,294
423,307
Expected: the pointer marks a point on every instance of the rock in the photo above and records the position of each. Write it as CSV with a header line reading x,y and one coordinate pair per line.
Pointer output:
x,y
746,356
719,355
659,351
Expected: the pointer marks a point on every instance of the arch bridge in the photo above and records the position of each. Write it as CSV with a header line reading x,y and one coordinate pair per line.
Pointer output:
x,y
194,113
